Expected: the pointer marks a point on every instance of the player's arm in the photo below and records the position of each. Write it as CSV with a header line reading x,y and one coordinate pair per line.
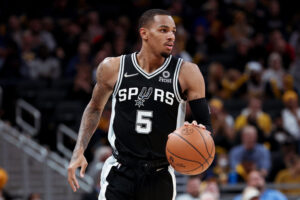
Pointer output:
x,y
107,73
193,86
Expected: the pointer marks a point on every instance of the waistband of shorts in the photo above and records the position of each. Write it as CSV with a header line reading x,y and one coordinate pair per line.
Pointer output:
x,y
148,165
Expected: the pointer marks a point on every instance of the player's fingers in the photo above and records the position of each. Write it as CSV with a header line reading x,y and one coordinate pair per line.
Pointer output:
x,y
186,123
83,168
75,182
202,126
71,176
195,123
71,184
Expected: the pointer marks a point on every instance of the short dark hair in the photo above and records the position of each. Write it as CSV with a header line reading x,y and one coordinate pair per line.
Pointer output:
x,y
149,15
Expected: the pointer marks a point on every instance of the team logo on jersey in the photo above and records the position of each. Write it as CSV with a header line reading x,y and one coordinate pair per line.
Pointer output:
x,y
143,96
165,77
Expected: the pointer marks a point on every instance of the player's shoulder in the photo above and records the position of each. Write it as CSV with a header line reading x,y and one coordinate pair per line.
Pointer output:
x,y
189,69
110,62
109,65
108,70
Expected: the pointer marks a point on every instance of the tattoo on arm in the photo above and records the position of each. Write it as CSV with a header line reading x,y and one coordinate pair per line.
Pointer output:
x,y
89,122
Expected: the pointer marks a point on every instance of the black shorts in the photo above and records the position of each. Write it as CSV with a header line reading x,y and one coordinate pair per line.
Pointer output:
x,y
121,182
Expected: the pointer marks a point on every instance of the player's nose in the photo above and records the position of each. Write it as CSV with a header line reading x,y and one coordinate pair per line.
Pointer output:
x,y
171,36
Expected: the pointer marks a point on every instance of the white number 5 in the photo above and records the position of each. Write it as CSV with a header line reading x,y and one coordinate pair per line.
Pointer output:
x,y
143,123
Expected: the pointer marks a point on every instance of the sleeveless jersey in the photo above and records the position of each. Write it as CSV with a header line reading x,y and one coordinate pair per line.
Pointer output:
x,y
146,107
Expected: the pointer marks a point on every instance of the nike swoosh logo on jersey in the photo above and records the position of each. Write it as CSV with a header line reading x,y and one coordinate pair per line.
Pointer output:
x,y
130,75
159,169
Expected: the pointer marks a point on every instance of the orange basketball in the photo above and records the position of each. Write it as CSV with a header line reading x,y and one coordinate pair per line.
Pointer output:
x,y
190,149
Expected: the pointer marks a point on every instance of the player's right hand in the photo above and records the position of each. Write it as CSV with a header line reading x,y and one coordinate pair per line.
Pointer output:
x,y
76,161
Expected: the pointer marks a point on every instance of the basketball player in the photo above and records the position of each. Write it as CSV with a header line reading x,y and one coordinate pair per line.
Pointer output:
x,y
149,89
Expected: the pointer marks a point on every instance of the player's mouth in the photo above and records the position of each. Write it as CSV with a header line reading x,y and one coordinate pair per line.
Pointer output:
x,y
169,46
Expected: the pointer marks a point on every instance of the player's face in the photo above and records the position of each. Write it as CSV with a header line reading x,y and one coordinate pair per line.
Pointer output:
x,y
161,34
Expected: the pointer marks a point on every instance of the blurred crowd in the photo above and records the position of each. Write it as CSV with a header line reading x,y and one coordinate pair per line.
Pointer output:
x,y
247,50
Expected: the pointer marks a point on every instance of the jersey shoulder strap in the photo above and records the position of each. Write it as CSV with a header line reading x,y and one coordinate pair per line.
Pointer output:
x,y
120,76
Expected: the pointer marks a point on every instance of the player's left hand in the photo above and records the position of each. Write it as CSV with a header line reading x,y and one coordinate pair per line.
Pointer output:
x,y
194,123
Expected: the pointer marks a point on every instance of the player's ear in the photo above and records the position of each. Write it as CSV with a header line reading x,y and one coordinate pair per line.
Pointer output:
x,y
144,33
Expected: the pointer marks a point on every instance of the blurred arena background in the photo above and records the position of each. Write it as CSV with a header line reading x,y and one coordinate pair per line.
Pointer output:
x,y
247,50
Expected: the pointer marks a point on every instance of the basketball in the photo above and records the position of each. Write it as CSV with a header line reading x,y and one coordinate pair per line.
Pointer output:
x,y
190,149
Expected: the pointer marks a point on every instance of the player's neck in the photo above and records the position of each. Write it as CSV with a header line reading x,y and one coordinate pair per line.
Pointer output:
x,y
148,61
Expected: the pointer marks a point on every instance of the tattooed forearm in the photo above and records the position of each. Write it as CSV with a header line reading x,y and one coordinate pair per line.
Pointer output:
x,y
89,122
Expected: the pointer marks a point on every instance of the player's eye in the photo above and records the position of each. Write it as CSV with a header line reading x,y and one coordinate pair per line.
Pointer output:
x,y
163,30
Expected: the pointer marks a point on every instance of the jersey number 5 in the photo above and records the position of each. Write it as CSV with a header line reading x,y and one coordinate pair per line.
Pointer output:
x,y
143,124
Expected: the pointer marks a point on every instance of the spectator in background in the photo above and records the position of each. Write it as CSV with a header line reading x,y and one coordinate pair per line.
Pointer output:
x,y
192,189
221,169
279,136
240,29
290,175
12,66
14,29
250,193
216,74
234,84
197,45
34,196
3,181
41,36
100,155
274,18
255,84
250,154
210,187
222,124
291,114
207,196
83,57
28,47
179,50
241,54
94,30
254,115
256,180
295,66
258,50
278,44
273,76
44,66
281,158
82,86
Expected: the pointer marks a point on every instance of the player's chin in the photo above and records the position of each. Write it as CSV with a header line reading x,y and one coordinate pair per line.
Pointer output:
x,y
165,54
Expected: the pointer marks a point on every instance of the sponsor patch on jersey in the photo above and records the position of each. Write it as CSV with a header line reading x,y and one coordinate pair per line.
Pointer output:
x,y
165,77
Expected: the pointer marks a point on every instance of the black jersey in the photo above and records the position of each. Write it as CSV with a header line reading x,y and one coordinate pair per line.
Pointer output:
x,y
145,108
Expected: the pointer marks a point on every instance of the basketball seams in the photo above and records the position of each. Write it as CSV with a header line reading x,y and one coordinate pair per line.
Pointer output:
x,y
185,158
212,146
209,154
194,161
192,146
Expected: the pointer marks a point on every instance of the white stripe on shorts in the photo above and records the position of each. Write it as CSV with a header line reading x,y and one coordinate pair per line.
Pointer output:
x,y
171,171
109,163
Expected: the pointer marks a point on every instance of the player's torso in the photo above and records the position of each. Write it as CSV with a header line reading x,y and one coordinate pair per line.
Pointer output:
x,y
146,108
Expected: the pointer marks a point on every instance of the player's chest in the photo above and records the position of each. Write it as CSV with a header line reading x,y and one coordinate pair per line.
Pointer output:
x,y
140,92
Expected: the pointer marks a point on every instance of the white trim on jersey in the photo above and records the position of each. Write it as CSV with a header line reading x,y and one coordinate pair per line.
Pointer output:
x,y
181,114
120,76
175,81
109,163
111,133
152,74
171,171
